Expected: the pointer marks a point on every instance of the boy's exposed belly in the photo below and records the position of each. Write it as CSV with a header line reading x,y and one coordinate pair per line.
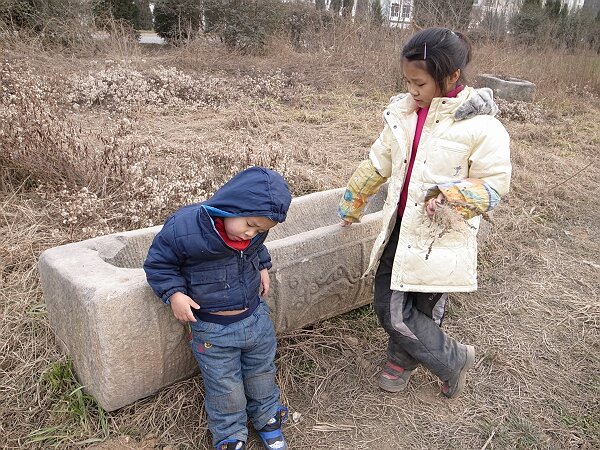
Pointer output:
x,y
229,313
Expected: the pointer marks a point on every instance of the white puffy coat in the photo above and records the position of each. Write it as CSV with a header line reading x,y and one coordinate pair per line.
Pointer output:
x,y
450,149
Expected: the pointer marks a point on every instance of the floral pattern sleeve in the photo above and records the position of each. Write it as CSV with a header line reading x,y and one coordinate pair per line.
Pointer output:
x,y
364,182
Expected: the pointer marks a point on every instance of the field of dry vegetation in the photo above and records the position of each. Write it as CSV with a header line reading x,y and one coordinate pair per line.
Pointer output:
x,y
110,140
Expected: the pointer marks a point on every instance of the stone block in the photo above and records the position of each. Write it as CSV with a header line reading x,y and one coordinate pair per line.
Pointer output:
x,y
126,344
508,88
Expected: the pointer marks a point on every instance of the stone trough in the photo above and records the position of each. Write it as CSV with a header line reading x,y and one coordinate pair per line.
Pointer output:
x,y
126,344
507,88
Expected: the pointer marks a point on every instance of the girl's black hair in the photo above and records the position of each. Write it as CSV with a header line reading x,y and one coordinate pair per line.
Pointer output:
x,y
442,50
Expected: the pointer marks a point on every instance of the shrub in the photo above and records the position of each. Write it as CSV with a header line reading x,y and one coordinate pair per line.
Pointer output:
x,y
39,143
246,25
376,13
177,20
52,22
554,25
17,14
145,17
126,10
448,13
135,14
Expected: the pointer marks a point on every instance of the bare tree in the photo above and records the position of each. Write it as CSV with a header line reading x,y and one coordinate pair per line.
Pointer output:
x,y
347,7
448,13
335,6
362,8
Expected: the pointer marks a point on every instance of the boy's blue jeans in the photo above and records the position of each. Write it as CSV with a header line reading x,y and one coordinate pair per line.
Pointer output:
x,y
238,371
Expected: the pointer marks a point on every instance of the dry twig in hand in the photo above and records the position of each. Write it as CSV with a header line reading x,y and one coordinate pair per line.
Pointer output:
x,y
447,219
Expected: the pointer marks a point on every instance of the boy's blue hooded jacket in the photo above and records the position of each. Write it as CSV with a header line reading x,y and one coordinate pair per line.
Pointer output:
x,y
189,256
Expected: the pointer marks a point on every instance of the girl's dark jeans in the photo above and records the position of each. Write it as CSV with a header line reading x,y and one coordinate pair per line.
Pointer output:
x,y
412,321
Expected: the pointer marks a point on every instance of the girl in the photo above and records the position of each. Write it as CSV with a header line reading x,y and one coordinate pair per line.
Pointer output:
x,y
440,145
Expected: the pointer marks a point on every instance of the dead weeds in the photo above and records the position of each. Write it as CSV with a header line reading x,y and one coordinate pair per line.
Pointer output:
x,y
535,320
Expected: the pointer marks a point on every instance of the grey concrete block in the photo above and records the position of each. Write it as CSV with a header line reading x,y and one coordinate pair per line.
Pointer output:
x,y
126,344
508,88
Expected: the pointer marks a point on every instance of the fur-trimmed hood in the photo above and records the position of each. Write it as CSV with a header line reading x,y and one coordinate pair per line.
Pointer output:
x,y
470,102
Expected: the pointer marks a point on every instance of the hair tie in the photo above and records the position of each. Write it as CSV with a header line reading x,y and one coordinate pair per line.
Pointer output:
x,y
425,51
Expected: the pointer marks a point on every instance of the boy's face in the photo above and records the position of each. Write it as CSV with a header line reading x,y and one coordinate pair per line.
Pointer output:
x,y
244,228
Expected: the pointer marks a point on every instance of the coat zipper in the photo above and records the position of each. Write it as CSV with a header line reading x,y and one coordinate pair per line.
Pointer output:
x,y
240,266
241,270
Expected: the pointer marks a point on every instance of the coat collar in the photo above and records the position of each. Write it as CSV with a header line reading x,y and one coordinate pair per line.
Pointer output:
x,y
403,104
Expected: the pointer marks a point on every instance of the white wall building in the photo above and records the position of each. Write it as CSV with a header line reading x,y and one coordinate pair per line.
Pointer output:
x,y
400,12
573,4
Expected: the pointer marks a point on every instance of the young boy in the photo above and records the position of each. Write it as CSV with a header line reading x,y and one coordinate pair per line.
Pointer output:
x,y
209,262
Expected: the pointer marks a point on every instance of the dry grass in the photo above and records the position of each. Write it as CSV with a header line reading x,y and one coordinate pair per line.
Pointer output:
x,y
535,320
552,70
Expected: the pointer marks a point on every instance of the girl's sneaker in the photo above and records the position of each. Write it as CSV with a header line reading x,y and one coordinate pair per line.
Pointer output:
x,y
271,435
455,385
231,444
393,378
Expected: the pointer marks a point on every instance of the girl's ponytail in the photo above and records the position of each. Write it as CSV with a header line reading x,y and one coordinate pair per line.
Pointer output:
x,y
467,44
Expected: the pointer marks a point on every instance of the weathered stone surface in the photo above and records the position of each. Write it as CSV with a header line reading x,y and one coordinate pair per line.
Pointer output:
x,y
126,344
507,88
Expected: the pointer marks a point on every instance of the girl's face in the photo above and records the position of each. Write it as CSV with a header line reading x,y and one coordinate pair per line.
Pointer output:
x,y
421,85
244,228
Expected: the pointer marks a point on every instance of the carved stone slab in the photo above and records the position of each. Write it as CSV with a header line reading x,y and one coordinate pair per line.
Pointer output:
x,y
126,344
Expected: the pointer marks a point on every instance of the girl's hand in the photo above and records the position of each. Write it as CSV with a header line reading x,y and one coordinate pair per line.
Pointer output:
x,y
182,305
433,203
265,283
345,223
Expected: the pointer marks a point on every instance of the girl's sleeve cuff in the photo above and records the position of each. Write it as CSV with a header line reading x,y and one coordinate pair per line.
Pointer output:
x,y
470,197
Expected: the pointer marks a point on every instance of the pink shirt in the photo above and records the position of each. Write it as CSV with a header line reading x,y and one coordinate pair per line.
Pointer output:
x,y
421,116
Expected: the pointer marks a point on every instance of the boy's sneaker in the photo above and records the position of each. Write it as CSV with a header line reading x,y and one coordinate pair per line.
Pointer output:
x,y
231,444
270,434
455,385
393,378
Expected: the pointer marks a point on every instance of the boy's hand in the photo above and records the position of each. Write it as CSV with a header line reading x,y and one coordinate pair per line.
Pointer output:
x,y
265,282
345,223
182,306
